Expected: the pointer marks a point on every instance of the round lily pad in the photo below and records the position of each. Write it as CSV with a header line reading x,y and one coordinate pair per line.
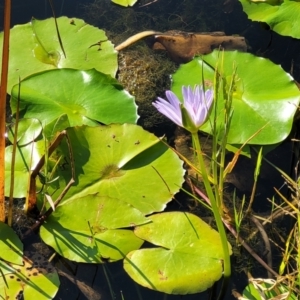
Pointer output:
x,y
120,161
94,234
34,279
122,173
28,131
269,289
85,97
35,47
125,2
281,16
187,259
11,248
263,103
26,159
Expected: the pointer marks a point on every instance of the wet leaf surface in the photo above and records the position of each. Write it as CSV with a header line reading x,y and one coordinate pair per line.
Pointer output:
x,y
187,259
34,47
281,17
35,279
11,248
122,174
84,97
267,99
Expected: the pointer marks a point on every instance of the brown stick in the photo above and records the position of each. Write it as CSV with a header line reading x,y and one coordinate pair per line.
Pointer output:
x,y
35,172
3,88
266,240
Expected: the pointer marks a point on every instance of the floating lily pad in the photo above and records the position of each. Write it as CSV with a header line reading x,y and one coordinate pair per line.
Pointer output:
x,y
87,229
188,258
58,125
35,279
85,97
28,131
26,160
11,248
264,100
35,47
121,161
281,16
122,174
125,2
269,289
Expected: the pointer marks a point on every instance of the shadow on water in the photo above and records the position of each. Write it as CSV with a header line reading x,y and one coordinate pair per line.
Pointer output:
x,y
23,11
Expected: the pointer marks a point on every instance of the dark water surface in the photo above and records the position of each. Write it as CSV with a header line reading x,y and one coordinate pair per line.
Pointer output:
x,y
23,11
163,15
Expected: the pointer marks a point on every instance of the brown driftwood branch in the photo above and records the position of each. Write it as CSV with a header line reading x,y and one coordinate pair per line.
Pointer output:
x,y
183,46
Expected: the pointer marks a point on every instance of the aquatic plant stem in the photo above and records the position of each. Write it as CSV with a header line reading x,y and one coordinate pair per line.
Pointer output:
x,y
13,161
216,210
3,87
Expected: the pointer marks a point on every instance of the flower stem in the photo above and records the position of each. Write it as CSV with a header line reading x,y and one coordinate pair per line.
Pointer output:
x,y
217,211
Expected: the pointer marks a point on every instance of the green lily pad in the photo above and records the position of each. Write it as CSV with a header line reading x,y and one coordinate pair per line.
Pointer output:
x,y
188,258
84,96
125,2
28,131
57,125
35,279
87,229
11,248
26,160
266,99
121,161
263,288
34,47
282,17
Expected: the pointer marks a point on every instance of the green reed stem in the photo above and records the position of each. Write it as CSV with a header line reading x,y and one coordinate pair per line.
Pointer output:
x,y
216,210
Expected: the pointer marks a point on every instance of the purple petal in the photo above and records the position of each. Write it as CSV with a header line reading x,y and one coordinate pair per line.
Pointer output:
x,y
187,95
197,103
188,101
204,108
202,115
170,111
209,96
174,101
198,95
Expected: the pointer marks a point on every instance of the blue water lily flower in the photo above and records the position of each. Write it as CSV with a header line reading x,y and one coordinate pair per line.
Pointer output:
x,y
192,113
